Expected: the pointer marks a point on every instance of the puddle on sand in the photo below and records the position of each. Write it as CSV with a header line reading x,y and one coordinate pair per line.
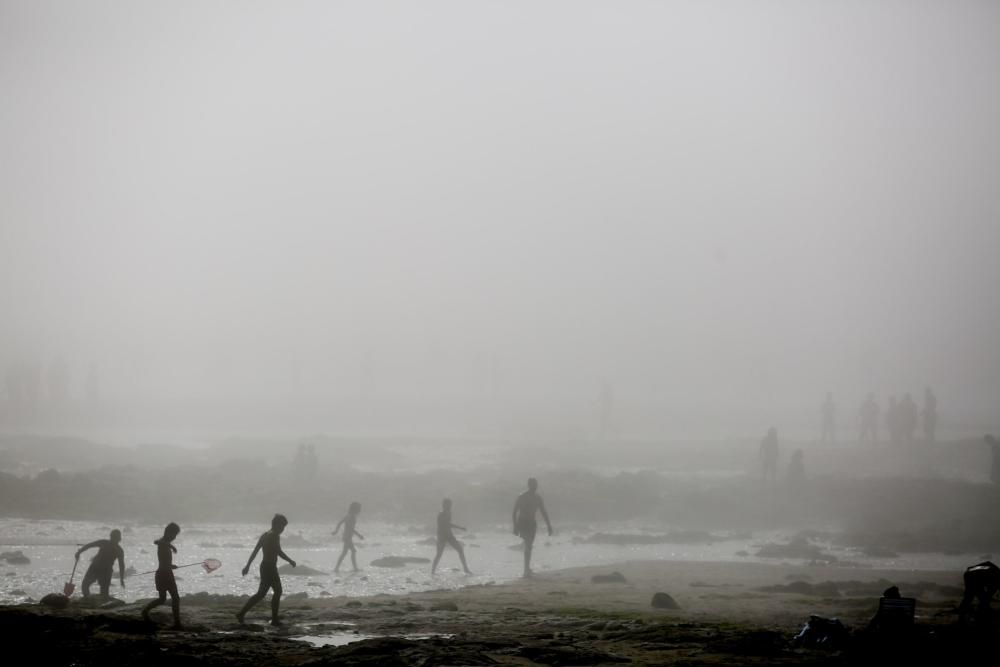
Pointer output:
x,y
345,638
333,639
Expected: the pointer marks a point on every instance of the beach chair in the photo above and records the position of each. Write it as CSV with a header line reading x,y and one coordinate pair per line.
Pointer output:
x,y
895,613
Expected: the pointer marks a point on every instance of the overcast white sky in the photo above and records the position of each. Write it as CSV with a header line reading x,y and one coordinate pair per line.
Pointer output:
x,y
722,208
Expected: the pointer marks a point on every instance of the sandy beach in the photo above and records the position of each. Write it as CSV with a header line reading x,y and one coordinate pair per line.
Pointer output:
x,y
729,613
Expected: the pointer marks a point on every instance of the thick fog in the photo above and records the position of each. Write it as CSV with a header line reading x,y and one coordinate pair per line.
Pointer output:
x,y
567,219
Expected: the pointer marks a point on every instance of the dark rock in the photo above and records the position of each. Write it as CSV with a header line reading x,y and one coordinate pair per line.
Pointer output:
x,y
15,558
613,578
444,606
568,655
664,601
55,601
353,603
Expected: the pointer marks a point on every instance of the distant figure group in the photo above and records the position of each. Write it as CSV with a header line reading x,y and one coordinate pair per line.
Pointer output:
x,y
770,452
902,418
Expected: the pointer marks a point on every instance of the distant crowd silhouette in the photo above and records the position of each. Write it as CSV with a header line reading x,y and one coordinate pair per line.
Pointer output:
x,y
902,419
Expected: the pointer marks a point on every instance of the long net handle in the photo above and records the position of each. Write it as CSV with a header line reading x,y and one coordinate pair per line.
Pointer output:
x,y
179,567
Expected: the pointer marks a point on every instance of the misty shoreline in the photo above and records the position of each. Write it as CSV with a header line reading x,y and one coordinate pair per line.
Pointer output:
x,y
899,506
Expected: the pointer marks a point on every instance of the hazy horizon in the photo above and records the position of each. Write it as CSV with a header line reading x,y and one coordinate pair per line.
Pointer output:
x,y
565,218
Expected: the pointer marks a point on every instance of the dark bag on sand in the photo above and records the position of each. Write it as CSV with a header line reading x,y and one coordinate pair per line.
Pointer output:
x,y
819,632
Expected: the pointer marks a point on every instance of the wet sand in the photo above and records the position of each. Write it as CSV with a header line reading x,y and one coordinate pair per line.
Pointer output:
x,y
730,613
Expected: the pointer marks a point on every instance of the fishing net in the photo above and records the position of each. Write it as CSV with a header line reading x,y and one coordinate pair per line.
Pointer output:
x,y
211,565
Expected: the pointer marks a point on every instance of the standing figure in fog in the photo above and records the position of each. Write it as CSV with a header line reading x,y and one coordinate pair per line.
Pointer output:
x,y
893,422
528,504
829,433
102,566
446,536
908,418
796,471
929,415
165,582
769,454
270,543
349,522
869,420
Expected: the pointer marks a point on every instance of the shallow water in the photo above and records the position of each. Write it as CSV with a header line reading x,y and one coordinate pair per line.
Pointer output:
x,y
51,544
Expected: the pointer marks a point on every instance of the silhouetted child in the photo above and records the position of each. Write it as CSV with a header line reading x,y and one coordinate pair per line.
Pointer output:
x,y
165,582
929,414
908,418
893,421
270,543
445,536
102,565
525,526
349,522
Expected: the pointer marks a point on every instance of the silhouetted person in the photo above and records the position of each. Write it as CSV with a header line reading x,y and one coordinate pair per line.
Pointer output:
x,y
769,454
995,451
445,536
165,582
796,470
929,415
893,421
908,418
270,543
528,504
102,565
829,433
349,522
869,420
981,582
